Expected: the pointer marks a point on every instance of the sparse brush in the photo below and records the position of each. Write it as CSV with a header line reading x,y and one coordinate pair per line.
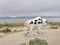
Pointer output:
x,y
21,24
54,23
53,27
23,44
6,30
38,42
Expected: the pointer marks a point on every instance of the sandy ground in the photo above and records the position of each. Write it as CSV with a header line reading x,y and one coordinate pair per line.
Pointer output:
x,y
52,36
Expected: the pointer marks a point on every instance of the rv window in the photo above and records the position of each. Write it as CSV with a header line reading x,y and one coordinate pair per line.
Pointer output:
x,y
38,22
40,19
31,22
35,22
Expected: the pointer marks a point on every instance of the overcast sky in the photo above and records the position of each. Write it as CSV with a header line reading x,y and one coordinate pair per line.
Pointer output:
x,y
29,7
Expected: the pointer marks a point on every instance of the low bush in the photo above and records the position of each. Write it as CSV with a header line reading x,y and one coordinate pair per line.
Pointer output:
x,y
6,30
38,42
53,27
23,44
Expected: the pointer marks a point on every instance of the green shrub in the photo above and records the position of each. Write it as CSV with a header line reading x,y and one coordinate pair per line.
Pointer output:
x,y
23,44
6,30
38,42
20,24
54,23
53,27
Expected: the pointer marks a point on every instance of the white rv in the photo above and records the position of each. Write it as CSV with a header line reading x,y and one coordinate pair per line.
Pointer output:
x,y
35,23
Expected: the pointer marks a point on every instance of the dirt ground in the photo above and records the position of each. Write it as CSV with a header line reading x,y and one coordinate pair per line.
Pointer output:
x,y
51,35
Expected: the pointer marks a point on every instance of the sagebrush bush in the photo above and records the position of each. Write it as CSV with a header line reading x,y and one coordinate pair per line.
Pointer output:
x,y
53,27
38,42
23,44
6,30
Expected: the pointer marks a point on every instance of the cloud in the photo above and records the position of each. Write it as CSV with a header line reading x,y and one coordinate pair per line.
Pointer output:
x,y
29,7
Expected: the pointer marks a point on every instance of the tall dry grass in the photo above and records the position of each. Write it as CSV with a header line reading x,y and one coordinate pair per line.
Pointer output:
x,y
21,24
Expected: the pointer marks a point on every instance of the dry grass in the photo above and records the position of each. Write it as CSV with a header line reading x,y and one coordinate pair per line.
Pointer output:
x,y
21,24
9,25
54,25
37,41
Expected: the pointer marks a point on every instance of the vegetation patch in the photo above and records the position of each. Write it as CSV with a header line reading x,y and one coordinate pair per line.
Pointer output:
x,y
37,41
6,30
53,27
54,23
23,44
21,24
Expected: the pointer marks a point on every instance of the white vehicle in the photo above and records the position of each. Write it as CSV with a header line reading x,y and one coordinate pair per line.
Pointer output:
x,y
35,23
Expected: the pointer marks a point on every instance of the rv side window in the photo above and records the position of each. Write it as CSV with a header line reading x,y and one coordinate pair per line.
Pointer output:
x,y
35,22
40,19
38,22
31,22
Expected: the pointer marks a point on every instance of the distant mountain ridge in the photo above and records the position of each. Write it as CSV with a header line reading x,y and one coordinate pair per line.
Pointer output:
x,y
17,17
